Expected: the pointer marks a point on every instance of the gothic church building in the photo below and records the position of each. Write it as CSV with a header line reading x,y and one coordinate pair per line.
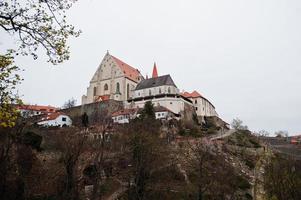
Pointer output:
x,y
113,79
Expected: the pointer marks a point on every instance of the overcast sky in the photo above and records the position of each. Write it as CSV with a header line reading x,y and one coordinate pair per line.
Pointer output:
x,y
244,56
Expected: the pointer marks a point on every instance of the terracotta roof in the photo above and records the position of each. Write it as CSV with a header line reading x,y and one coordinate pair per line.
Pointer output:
x,y
125,112
161,109
194,94
186,94
50,116
102,98
37,108
129,71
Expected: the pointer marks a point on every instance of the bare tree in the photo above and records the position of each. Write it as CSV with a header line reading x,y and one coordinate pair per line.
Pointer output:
x,y
37,24
71,143
69,103
237,124
281,133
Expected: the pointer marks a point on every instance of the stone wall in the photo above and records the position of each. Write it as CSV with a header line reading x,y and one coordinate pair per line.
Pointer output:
x,y
93,110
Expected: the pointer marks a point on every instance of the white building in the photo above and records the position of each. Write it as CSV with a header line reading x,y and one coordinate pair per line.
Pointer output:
x,y
203,106
34,110
55,119
114,79
126,115
161,91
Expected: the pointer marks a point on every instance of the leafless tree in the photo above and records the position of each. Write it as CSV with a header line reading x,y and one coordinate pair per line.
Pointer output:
x,y
71,143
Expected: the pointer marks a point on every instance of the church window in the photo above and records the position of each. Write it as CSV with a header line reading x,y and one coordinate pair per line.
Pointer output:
x,y
94,91
117,88
128,91
106,87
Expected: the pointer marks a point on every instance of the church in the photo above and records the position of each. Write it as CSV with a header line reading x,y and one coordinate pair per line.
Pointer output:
x,y
116,80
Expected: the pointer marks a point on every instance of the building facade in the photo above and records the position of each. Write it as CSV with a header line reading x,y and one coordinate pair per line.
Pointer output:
x,y
55,119
161,91
203,107
114,79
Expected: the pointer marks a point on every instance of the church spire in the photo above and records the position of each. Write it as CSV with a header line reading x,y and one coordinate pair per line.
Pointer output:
x,y
155,72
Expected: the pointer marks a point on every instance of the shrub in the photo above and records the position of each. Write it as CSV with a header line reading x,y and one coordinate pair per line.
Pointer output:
x,y
33,140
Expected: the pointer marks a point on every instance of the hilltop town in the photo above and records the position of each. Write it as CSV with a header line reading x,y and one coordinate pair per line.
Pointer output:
x,y
136,137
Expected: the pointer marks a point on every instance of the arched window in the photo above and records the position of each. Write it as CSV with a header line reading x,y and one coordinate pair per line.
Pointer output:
x,y
128,91
94,91
106,87
117,88
169,91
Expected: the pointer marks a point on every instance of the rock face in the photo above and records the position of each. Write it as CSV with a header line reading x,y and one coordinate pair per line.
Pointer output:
x,y
187,114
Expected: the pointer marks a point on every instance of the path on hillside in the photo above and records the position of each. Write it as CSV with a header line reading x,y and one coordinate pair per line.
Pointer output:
x,y
123,187
220,135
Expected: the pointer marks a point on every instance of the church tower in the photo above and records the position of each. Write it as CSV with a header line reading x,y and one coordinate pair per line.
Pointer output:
x,y
155,71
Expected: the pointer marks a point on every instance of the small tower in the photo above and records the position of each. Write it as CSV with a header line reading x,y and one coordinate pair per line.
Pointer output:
x,y
155,72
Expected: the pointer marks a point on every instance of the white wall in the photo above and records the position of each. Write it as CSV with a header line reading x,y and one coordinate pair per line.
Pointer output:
x,y
156,91
57,122
204,107
176,105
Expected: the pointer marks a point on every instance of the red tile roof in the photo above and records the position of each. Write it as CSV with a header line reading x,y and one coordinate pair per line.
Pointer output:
x,y
37,108
50,116
129,71
125,112
102,98
194,94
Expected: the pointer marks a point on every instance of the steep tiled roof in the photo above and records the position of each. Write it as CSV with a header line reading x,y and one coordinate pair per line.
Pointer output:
x,y
194,94
155,82
50,116
125,112
129,71
37,108
102,98
161,109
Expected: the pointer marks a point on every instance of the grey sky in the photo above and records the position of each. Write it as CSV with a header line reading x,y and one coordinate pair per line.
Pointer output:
x,y
242,55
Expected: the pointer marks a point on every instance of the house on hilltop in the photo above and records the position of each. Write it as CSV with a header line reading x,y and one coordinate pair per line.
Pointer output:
x,y
203,106
34,110
161,91
126,115
54,119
